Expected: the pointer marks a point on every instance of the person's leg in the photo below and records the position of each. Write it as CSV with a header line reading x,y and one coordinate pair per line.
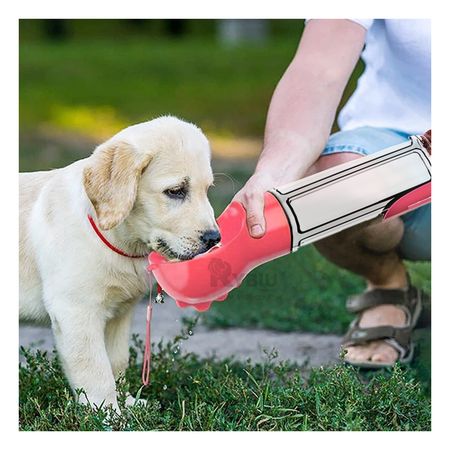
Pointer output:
x,y
371,249
368,250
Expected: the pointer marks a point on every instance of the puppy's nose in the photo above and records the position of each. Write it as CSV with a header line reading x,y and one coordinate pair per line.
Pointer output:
x,y
210,238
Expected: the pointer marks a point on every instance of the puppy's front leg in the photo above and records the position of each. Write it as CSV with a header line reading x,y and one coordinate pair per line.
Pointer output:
x,y
117,334
79,336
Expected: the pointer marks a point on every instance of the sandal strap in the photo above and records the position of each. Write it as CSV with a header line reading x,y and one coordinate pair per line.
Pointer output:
x,y
356,335
376,297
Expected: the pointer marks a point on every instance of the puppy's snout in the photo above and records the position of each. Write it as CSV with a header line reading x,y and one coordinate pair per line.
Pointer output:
x,y
210,238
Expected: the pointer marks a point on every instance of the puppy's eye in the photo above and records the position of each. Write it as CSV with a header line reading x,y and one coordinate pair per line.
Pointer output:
x,y
176,192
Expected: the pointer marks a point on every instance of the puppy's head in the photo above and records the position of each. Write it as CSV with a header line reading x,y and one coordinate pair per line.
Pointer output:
x,y
153,178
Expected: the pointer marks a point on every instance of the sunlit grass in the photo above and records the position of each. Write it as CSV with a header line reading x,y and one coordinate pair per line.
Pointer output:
x,y
95,122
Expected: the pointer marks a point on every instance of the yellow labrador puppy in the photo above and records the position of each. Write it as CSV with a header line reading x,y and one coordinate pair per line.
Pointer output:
x,y
145,188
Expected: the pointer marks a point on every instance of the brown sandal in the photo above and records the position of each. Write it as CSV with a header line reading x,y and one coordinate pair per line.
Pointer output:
x,y
400,338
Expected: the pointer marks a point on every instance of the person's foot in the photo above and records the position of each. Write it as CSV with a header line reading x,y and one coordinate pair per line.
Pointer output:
x,y
377,351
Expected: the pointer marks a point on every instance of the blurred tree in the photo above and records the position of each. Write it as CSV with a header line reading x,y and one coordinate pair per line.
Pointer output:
x,y
56,29
175,27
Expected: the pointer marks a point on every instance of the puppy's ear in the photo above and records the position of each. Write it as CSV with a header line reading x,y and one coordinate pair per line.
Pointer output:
x,y
111,181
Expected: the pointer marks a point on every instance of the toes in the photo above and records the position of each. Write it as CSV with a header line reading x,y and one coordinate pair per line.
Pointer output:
x,y
358,353
385,354
377,351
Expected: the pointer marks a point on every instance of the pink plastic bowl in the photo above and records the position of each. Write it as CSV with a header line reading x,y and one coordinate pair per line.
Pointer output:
x,y
210,276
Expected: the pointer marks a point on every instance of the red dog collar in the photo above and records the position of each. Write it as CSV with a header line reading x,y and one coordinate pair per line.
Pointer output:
x,y
108,244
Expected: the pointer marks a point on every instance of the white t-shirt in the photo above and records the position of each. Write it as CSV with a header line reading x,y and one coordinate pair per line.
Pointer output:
x,y
395,89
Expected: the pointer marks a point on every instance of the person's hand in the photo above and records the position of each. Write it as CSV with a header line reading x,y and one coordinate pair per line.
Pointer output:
x,y
252,198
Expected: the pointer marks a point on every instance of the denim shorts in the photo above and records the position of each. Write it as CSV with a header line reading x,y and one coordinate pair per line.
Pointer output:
x,y
416,242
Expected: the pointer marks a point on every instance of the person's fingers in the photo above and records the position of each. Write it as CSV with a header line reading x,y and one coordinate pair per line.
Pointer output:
x,y
252,198
426,140
253,203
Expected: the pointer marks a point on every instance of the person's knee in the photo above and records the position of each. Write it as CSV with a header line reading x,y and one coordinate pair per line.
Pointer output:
x,y
375,236
382,237
366,250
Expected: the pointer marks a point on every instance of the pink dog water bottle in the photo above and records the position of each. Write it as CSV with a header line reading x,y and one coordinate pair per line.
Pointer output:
x,y
210,276
388,183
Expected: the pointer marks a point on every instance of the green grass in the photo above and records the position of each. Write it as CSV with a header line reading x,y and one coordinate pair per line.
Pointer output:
x,y
188,393
130,80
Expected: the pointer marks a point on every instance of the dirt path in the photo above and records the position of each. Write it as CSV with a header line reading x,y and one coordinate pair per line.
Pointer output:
x,y
304,348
